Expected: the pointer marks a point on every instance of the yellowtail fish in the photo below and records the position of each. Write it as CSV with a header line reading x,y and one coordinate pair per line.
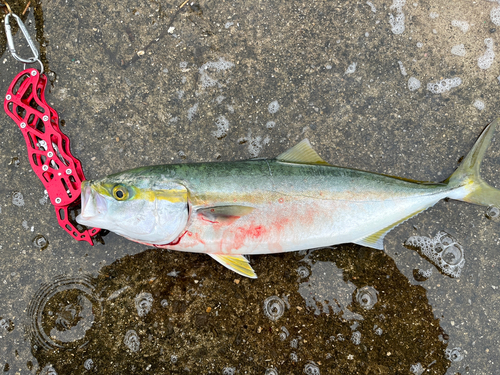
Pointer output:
x,y
294,202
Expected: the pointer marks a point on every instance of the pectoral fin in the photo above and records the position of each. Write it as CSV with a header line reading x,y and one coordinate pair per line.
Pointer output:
x,y
224,214
236,263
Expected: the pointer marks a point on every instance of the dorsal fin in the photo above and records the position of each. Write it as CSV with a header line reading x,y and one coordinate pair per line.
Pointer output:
x,y
301,153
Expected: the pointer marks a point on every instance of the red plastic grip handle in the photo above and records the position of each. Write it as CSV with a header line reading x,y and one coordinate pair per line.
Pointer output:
x,y
48,148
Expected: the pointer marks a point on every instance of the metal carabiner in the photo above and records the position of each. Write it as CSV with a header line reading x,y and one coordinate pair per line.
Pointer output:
x,y
10,40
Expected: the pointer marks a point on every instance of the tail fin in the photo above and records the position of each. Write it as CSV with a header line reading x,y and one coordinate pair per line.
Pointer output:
x,y
467,174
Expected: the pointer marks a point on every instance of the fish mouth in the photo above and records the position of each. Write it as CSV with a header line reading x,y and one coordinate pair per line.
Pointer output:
x,y
86,193
93,205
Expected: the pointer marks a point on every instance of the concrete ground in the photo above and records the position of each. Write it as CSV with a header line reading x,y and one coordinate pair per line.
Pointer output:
x,y
384,86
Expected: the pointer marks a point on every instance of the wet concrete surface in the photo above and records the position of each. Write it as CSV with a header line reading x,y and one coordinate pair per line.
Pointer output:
x,y
141,83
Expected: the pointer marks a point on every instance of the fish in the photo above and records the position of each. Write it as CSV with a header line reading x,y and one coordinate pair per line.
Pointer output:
x,y
297,201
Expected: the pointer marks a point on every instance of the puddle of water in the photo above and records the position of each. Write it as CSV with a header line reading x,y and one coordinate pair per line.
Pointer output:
x,y
313,323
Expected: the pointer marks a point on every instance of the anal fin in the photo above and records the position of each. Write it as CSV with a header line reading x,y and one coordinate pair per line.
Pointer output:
x,y
376,240
236,263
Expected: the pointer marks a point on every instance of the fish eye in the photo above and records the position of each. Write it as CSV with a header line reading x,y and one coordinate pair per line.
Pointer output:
x,y
120,193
